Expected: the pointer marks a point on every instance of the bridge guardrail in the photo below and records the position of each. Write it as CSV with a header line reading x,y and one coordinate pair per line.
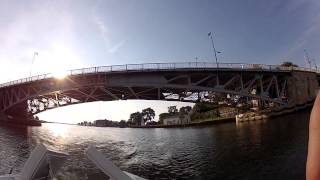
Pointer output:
x,y
162,66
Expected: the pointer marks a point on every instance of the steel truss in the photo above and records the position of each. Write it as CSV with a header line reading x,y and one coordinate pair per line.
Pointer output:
x,y
183,85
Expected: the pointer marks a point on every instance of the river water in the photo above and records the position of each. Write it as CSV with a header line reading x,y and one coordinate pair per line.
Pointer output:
x,y
272,149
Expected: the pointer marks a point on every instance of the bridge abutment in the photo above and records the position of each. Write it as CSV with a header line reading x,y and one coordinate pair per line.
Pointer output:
x,y
19,116
302,88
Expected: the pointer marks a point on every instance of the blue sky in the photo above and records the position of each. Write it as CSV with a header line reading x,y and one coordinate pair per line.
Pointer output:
x,y
75,34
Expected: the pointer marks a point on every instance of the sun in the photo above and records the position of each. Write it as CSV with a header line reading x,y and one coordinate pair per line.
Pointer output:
x,y
57,60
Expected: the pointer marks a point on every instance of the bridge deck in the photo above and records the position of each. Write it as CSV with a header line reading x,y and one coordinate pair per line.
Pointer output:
x,y
192,66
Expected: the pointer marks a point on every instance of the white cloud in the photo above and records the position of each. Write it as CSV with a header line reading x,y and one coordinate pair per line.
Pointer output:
x,y
105,34
303,39
312,27
102,27
116,47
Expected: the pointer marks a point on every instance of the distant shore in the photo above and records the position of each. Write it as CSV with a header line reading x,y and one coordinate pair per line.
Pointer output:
x,y
200,123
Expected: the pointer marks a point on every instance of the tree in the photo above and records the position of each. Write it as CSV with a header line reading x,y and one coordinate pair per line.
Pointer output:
x,y
172,109
288,64
122,123
202,107
130,122
185,109
148,114
136,118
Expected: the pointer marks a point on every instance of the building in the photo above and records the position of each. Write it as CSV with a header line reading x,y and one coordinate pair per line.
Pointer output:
x,y
105,123
101,123
177,120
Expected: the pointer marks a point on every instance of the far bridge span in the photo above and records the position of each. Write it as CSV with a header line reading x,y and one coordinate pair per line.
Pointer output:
x,y
284,86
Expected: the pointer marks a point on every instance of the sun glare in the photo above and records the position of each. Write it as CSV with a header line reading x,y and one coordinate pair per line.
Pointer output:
x,y
60,74
57,59
58,130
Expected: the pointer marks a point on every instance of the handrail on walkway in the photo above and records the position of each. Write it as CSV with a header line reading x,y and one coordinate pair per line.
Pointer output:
x,y
162,66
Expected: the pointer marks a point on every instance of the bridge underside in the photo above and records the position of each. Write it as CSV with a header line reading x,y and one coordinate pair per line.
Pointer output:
x,y
233,86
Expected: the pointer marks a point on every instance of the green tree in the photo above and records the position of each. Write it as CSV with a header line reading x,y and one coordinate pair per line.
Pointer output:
x,y
136,118
122,123
172,109
202,107
129,122
288,64
148,114
185,109
204,110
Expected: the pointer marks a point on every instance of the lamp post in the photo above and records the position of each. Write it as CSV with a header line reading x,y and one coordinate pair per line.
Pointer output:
x,y
34,57
215,55
214,49
217,64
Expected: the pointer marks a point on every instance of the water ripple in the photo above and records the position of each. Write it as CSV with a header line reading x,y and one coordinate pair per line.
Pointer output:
x,y
267,150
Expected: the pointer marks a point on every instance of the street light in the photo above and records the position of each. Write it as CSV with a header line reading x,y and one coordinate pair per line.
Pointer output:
x,y
214,49
215,55
34,57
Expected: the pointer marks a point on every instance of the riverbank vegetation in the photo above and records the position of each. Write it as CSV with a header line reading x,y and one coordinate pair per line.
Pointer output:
x,y
288,64
200,112
205,111
138,118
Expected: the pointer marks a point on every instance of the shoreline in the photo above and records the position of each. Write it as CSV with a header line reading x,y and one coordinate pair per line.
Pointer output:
x,y
21,123
275,113
194,124
279,113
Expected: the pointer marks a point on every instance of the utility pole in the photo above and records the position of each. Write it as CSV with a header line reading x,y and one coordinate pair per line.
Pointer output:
x,y
308,62
215,55
214,49
33,59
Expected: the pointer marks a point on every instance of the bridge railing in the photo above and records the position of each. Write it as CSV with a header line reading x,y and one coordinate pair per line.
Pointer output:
x,y
162,66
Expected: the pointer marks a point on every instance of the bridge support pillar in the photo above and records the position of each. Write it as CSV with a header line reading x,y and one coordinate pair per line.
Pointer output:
x,y
19,116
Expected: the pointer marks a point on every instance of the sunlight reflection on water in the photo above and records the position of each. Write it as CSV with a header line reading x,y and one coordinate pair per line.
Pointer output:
x,y
259,150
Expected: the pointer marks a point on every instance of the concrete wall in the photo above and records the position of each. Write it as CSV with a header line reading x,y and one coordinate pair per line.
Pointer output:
x,y
177,120
171,121
302,87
